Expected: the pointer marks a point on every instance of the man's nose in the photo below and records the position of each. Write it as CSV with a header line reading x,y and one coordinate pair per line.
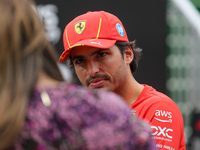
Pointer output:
x,y
92,68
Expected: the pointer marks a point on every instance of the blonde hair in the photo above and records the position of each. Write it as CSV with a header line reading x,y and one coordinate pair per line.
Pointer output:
x,y
24,51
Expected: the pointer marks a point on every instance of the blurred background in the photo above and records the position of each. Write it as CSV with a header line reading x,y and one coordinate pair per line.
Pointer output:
x,y
168,31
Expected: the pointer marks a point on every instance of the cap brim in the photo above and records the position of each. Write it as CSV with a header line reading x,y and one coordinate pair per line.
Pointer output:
x,y
98,43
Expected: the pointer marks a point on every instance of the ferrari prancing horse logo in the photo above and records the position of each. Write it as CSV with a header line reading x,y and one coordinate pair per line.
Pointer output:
x,y
80,26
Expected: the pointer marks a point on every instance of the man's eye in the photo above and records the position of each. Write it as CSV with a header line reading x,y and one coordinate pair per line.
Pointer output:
x,y
102,54
79,61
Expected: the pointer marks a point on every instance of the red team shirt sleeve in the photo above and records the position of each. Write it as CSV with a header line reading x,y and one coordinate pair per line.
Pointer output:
x,y
166,123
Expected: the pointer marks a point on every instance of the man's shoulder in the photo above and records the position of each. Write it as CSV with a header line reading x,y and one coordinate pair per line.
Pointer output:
x,y
153,98
153,95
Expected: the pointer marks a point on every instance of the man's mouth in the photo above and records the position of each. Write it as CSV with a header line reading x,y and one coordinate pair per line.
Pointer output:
x,y
96,83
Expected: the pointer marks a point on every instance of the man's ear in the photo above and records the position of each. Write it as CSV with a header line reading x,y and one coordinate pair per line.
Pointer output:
x,y
128,55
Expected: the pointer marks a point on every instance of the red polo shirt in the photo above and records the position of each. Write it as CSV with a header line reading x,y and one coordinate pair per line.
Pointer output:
x,y
164,116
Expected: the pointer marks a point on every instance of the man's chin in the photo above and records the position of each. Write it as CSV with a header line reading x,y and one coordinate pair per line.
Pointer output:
x,y
97,88
101,88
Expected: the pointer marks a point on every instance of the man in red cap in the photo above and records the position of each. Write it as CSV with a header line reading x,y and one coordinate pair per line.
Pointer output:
x,y
97,46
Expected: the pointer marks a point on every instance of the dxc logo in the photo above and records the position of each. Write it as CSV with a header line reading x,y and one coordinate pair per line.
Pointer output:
x,y
159,131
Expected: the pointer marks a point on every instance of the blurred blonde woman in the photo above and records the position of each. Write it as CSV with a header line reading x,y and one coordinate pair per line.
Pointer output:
x,y
39,111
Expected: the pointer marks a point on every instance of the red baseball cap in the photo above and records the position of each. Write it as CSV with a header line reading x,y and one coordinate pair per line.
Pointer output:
x,y
98,29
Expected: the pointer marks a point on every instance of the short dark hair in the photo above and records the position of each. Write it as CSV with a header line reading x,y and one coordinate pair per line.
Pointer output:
x,y
122,47
136,51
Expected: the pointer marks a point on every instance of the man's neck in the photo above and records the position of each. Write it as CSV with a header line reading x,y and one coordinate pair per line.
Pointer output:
x,y
131,91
